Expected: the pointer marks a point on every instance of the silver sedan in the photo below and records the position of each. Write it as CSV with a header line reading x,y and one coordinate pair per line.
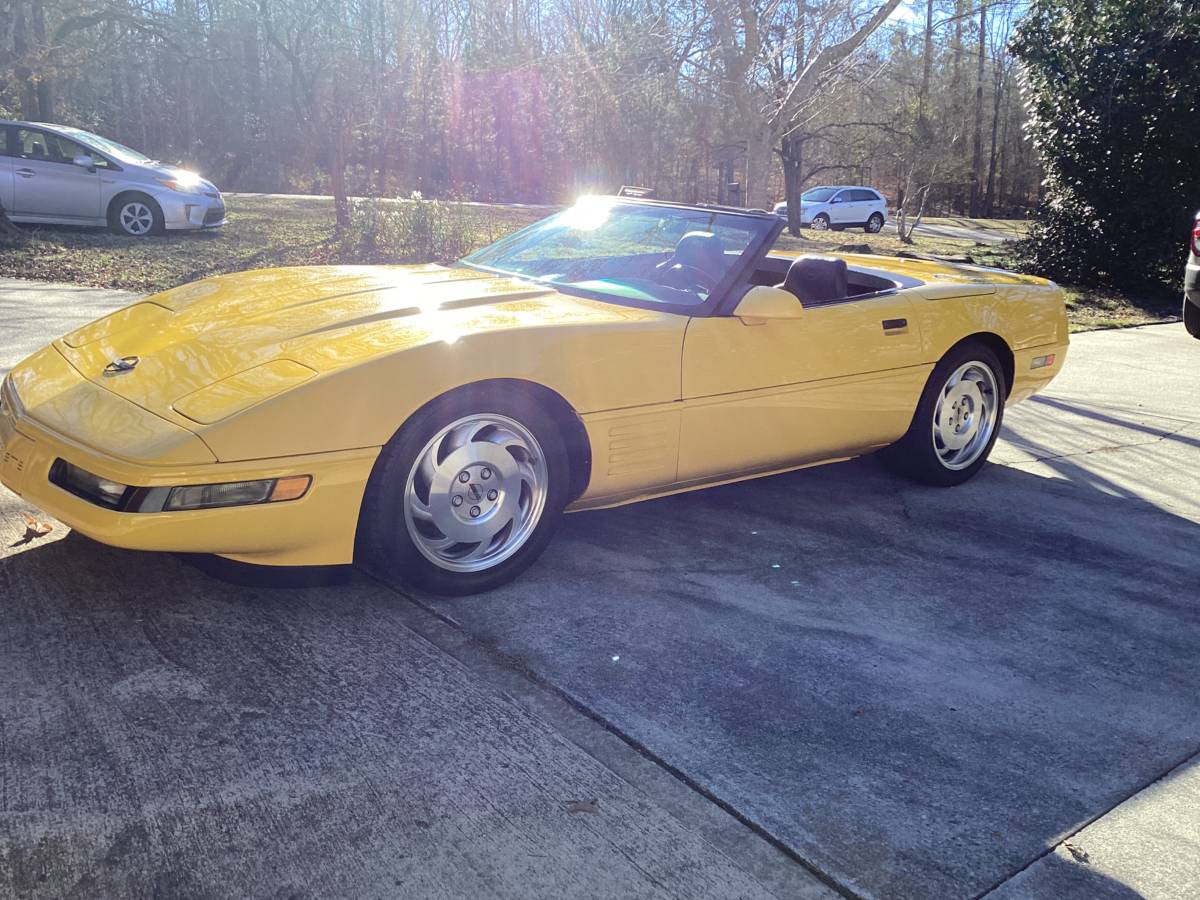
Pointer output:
x,y
54,175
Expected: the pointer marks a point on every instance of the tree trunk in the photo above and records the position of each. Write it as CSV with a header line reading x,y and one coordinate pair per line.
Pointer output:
x,y
337,175
977,144
1001,189
958,115
23,74
45,83
756,191
989,195
793,158
927,62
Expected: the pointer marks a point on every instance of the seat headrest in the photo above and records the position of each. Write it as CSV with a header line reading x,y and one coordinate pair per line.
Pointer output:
x,y
701,250
817,279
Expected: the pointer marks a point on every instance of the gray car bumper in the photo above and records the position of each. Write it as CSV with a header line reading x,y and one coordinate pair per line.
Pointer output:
x,y
185,211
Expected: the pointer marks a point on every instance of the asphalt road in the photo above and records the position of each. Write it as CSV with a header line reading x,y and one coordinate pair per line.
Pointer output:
x,y
954,231
906,691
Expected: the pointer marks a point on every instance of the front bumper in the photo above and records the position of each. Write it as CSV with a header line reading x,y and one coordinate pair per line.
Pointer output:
x,y
317,529
191,211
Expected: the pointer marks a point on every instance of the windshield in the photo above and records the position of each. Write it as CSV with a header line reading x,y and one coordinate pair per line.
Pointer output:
x,y
643,254
112,148
818,195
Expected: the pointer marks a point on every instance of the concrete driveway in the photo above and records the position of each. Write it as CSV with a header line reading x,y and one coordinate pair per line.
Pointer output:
x,y
830,681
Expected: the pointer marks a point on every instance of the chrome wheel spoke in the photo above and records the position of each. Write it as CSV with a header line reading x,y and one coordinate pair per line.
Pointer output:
x,y
420,509
441,543
481,549
428,468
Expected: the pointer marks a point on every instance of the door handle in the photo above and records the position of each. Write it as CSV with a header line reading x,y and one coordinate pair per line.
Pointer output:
x,y
26,173
892,326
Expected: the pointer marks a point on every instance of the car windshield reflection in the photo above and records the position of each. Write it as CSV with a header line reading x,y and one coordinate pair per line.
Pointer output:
x,y
628,252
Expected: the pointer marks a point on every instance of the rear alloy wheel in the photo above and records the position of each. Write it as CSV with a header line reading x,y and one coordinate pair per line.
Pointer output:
x,y
957,420
136,216
874,224
467,495
820,222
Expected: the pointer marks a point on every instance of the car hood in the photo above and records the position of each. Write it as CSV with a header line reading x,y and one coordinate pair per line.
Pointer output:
x,y
214,347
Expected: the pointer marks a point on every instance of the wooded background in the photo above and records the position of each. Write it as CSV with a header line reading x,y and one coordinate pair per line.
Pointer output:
x,y
538,100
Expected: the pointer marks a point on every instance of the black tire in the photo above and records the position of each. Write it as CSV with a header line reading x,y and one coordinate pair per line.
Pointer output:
x,y
385,545
1191,317
818,219
117,220
874,224
915,455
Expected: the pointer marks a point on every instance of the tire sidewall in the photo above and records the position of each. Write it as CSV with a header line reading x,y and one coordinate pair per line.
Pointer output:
x,y
821,217
385,544
114,216
915,452
870,227
1191,317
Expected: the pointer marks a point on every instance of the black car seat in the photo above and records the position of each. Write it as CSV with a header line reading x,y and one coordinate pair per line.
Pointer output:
x,y
817,279
700,250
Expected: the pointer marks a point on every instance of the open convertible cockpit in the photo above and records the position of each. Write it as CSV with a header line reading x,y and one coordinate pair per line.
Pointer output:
x,y
825,279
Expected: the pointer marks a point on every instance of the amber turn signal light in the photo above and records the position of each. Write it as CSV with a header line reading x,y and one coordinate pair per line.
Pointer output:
x,y
291,488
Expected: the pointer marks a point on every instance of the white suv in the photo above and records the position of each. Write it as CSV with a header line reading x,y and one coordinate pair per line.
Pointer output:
x,y
841,206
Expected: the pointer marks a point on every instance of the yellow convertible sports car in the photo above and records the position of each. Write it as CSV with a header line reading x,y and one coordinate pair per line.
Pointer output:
x,y
435,422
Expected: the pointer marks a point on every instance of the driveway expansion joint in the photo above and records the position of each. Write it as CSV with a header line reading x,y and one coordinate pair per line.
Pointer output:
x,y
1193,756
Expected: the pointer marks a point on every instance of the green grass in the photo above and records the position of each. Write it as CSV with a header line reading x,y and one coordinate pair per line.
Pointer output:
x,y
263,232
883,244
259,233
1092,309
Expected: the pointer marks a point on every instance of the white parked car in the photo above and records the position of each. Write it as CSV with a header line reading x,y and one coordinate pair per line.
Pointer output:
x,y
54,175
841,206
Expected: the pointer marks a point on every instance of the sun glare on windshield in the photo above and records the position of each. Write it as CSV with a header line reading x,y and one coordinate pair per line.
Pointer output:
x,y
588,213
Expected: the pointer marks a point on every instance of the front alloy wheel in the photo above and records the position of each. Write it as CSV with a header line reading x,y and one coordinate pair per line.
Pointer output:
x,y
136,219
467,494
135,215
820,222
475,493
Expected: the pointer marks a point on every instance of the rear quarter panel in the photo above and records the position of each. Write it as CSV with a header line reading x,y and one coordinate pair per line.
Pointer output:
x,y
1029,316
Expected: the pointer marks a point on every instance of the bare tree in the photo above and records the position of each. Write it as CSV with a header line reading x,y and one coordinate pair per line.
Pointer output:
x,y
536,100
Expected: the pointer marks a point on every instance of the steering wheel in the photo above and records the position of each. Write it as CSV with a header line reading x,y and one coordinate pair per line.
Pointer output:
x,y
682,276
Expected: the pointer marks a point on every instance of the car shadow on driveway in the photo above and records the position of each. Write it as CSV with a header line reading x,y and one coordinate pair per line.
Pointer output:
x,y
916,690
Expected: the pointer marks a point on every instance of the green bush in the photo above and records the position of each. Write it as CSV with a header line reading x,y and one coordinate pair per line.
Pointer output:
x,y
1114,89
415,231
